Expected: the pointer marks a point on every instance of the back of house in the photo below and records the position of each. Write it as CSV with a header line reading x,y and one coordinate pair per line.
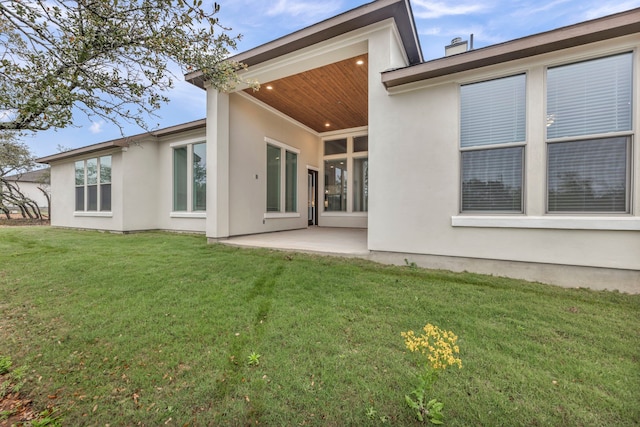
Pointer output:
x,y
516,159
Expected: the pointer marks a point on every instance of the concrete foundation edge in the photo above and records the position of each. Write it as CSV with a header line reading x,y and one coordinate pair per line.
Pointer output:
x,y
568,276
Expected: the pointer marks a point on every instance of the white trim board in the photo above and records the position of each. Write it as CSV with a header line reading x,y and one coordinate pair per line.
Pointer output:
x,y
565,222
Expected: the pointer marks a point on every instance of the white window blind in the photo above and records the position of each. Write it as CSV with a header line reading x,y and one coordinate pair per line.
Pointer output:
x,y
493,112
492,180
591,97
589,176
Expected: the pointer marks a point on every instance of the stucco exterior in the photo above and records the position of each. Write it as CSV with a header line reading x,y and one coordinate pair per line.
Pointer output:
x,y
414,156
249,125
141,188
31,185
424,158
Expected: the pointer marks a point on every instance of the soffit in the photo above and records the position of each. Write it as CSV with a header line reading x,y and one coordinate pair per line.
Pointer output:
x,y
335,94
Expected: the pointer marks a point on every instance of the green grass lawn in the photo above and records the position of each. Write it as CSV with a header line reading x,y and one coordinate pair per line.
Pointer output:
x,y
155,328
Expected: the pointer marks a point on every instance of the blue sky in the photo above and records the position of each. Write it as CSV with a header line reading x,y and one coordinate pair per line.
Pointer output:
x,y
260,21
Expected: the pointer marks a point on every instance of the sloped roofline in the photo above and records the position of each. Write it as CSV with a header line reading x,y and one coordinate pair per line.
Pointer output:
x,y
123,142
608,27
30,176
370,13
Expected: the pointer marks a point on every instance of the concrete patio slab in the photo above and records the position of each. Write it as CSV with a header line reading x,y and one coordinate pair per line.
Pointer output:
x,y
322,240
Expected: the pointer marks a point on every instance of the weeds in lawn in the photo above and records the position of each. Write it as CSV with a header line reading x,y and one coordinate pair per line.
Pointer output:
x,y
440,349
15,408
15,378
410,264
147,336
5,364
372,414
46,418
253,359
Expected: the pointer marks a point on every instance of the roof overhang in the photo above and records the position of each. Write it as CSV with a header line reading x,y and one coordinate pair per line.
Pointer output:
x,y
123,142
618,25
368,14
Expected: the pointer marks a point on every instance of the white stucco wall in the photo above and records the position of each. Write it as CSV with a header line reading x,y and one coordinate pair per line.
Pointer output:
x,y
140,186
148,185
141,192
30,190
63,195
415,177
250,124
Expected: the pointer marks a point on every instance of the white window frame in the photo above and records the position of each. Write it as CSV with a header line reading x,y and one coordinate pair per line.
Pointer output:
x,y
281,213
349,157
495,146
629,134
189,212
572,220
98,212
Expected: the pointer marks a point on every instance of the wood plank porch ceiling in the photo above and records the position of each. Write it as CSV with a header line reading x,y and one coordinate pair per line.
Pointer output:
x,y
329,98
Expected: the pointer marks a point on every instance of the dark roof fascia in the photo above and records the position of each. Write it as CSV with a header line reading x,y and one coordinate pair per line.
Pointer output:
x,y
360,17
102,146
608,27
123,142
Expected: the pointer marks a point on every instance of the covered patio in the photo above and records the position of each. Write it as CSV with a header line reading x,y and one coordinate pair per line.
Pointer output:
x,y
322,240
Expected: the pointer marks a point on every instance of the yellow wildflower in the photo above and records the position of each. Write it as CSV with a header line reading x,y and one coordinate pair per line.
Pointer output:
x,y
436,344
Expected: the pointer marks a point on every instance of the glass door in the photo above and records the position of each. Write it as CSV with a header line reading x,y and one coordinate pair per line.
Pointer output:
x,y
312,179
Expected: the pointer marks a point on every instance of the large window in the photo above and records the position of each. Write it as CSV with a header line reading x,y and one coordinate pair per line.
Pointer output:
x,y
180,180
335,185
291,184
273,178
93,184
492,180
492,139
190,178
360,174
105,183
346,170
589,126
282,161
199,181
361,184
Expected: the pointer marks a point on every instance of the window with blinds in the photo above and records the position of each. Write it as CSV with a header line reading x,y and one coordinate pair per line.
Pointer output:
x,y
492,139
492,180
588,170
588,176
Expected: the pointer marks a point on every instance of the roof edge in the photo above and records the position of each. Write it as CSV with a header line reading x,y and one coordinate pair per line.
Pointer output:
x,y
123,142
32,176
599,29
360,17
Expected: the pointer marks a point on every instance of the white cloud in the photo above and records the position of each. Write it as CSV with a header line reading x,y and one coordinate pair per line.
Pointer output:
x,y
303,9
609,8
96,127
423,9
535,8
432,31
